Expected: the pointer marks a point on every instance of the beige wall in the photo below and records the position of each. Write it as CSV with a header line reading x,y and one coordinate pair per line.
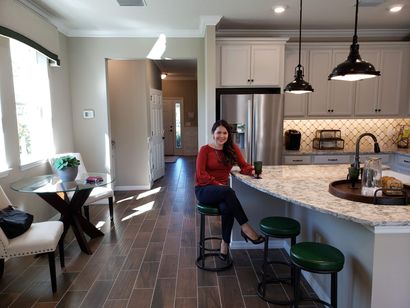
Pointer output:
x,y
187,89
89,88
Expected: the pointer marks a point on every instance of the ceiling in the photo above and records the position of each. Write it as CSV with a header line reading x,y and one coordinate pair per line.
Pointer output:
x,y
188,18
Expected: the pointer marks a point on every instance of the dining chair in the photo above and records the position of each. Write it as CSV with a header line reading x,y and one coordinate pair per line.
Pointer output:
x,y
97,194
40,238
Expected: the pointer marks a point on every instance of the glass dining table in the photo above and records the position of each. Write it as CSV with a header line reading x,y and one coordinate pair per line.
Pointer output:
x,y
68,198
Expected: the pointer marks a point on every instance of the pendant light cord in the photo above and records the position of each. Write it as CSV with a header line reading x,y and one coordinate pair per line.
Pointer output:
x,y
355,23
300,31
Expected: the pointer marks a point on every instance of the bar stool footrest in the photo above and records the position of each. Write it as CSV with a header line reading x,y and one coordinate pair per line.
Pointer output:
x,y
270,300
199,260
209,238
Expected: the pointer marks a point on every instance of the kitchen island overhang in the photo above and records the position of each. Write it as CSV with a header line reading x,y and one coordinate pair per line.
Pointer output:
x,y
374,238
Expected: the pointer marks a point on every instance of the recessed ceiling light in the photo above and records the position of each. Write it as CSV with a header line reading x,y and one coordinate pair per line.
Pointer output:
x,y
279,9
395,9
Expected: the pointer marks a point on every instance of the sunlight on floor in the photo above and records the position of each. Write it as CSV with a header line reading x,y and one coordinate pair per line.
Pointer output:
x,y
140,209
123,200
100,224
149,193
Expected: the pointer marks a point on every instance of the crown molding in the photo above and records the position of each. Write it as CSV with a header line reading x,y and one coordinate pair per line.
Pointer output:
x,y
314,33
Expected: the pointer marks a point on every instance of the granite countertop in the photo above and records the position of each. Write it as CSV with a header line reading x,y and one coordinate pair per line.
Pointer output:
x,y
307,186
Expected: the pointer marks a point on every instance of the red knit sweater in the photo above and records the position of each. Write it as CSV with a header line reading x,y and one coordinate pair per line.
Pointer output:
x,y
210,169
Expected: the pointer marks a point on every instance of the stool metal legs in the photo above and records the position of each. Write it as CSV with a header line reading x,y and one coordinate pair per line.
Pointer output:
x,y
297,295
203,254
266,279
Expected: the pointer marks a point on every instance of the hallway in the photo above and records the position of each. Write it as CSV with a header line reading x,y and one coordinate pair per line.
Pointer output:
x,y
146,258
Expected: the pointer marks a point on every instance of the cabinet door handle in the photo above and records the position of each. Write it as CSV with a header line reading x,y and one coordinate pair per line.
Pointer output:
x,y
251,80
297,160
328,110
406,161
332,159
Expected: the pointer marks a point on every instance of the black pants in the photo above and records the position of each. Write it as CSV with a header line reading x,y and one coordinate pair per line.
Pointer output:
x,y
225,198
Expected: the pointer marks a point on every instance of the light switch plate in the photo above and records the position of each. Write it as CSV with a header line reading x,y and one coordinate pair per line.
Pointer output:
x,y
88,114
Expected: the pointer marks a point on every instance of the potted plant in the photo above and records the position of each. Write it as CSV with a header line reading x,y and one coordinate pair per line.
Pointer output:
x,y
67,167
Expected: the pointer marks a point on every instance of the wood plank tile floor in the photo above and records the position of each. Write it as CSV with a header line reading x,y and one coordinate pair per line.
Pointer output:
x,y
145,259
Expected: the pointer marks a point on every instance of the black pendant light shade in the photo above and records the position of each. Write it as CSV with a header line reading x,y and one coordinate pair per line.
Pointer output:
x,y
354,68
299,86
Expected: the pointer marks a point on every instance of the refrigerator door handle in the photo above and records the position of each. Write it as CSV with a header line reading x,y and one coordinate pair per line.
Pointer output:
x,y
249,129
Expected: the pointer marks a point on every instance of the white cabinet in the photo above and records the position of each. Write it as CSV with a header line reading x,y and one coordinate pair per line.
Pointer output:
x,y
296,160
331,159
246,63
294,104
330,98
381,95
402,163
387,95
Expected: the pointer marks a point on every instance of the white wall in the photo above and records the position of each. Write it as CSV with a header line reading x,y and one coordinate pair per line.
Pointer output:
x,y
89,88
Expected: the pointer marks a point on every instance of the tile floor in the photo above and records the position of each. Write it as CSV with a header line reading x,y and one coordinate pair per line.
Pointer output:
x,y
146,259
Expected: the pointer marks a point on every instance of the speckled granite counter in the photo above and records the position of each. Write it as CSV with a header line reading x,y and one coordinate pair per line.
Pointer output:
x,y
307,186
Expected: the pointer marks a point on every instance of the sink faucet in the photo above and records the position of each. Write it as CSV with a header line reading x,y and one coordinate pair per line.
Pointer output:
x,y
356,163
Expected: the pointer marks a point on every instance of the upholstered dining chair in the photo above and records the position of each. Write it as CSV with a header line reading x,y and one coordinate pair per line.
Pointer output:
x,y
41,237
97,194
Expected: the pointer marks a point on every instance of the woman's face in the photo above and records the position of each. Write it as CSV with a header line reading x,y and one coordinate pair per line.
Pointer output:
x,y
220,136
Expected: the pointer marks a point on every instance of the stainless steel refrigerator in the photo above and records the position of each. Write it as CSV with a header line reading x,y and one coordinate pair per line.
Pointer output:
x,y
256,118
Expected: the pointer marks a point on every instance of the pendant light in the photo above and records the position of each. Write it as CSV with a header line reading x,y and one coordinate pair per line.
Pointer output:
x,y
299,86
354,68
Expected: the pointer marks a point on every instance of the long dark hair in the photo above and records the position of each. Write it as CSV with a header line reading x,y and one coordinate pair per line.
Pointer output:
x,y
228,150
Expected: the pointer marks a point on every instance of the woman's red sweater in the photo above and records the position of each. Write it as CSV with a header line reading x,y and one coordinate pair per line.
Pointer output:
x,y
210,169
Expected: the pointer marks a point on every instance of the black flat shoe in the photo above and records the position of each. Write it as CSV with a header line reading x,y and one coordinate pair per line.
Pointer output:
x,y
259,240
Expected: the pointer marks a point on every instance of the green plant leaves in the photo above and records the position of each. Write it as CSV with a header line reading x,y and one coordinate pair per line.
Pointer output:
x,y
66,162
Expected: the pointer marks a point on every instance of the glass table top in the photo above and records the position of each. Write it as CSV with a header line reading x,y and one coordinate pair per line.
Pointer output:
x,y
51,183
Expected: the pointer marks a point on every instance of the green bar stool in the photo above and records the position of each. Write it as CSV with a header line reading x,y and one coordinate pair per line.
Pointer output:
x,y
204,252
316,258
277,227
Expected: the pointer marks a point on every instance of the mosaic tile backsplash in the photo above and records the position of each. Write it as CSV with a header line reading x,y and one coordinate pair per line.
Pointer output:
x,y
386,131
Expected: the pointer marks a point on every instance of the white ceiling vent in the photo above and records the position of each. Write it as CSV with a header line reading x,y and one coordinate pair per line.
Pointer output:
x,y
370,3
131,2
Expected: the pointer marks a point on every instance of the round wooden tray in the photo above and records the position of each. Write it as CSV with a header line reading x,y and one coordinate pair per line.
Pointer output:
x,y
343,189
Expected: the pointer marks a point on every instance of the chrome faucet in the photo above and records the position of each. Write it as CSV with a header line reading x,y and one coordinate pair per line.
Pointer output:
x,y
356,163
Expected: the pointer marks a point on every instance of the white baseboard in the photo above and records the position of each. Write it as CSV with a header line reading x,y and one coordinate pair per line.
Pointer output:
x,y
312,281
273,243
136,187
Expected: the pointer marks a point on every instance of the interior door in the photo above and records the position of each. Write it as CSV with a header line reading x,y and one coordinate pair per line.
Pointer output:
x,y
169,126
157,163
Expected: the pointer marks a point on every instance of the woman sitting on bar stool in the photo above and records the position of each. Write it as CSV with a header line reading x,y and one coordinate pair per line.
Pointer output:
x,y
213,164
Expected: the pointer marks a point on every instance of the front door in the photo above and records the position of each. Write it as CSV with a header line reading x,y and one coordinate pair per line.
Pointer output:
x,y
173,126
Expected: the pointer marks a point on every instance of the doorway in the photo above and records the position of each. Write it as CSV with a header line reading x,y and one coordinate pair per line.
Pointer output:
x,y
173,123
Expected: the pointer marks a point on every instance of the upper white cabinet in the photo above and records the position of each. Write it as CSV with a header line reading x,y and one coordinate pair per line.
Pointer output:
x,y
387,95
382,95
251,63
330,98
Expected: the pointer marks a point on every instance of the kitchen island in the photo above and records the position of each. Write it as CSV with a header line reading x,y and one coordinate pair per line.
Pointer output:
x,y
375,239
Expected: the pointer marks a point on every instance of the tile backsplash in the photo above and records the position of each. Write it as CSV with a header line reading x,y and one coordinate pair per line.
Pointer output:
x,y
386,131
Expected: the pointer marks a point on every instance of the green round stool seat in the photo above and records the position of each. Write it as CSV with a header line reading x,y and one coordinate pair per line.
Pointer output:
x,y
317,257
208,209
277,226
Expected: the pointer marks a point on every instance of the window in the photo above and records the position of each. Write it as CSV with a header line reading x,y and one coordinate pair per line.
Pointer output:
x,y
33,106
3,160
178,136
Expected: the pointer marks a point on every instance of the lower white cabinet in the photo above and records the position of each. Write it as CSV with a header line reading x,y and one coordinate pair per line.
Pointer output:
x,y
331,159
296,160
402,163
